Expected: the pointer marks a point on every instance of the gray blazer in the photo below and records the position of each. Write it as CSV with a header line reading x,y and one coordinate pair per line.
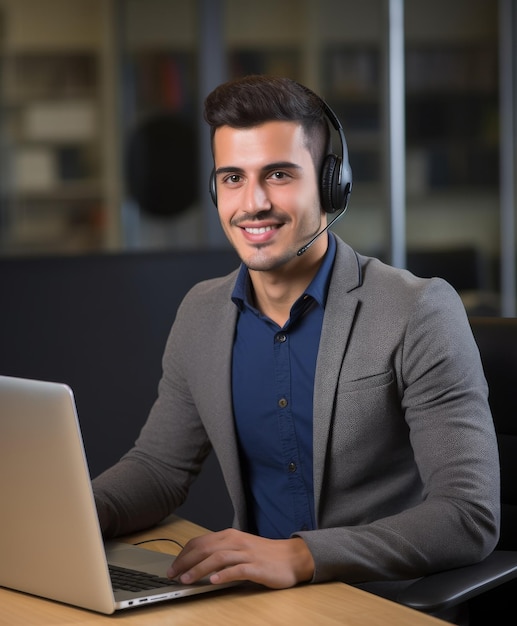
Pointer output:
x,y
406,475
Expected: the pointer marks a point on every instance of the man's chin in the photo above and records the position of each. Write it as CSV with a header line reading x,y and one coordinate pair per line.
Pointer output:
x,y
263,261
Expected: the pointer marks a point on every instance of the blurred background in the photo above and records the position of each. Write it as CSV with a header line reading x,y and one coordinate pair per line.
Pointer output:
x,y
103,147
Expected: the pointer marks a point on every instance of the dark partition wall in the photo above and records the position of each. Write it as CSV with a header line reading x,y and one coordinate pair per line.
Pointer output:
x,y
99,323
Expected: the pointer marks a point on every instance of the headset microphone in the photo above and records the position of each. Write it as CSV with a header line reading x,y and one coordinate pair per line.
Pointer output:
x,y
334,219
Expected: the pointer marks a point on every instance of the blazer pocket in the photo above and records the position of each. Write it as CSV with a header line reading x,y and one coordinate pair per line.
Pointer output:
x,y
366,382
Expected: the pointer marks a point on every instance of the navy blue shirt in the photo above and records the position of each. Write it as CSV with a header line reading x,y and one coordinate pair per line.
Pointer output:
x,y
272,386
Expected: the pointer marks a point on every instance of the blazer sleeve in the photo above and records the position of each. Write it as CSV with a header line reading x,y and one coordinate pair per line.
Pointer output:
x,y
153,478
411,473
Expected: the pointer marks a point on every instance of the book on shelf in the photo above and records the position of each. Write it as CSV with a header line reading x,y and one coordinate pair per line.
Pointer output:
x,y
60,121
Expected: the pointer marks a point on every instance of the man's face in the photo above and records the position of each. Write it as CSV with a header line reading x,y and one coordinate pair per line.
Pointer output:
x,y
267,192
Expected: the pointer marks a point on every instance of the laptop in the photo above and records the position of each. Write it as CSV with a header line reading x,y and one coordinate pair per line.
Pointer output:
x,y
50,539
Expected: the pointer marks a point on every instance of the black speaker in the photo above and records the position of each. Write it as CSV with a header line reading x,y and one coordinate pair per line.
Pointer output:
x,y
336,173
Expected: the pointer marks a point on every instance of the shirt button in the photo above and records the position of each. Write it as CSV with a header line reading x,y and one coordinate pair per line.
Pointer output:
x,y
280,337
282,403
291,467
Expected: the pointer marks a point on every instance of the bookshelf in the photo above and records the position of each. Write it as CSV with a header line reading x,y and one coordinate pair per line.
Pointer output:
x,y
452,115
52,126
51,114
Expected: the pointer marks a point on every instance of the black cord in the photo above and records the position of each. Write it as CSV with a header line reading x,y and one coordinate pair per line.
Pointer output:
x,y
138,543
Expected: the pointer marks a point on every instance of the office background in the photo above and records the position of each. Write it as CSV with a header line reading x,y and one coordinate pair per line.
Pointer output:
x,y
102,147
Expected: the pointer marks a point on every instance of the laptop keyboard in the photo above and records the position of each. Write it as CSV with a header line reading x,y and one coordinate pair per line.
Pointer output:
x,y
132,580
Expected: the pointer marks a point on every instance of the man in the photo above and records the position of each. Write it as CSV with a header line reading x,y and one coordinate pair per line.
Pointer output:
x,y
345,399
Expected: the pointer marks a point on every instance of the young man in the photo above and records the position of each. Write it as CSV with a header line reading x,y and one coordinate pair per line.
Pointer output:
x,y
345,399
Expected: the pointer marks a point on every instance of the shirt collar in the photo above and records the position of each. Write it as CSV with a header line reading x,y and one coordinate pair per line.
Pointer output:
x,y
317,289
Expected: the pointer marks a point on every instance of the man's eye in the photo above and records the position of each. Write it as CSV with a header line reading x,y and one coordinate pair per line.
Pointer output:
x,y
278,175
233,178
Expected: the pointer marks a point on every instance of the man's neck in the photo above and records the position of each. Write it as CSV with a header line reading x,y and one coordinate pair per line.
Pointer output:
x,y
274,293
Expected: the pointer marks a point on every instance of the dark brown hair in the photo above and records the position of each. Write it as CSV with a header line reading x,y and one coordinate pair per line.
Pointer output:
x,y
252,100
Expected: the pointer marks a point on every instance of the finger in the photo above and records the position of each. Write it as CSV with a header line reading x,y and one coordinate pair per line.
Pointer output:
x,y
212,564
195,552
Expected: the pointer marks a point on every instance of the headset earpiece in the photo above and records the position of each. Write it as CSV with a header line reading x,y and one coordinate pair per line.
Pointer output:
x,y
212,188
336,173
327,183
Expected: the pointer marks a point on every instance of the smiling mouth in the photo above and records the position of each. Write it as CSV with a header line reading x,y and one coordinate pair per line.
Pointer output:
x,y
259,231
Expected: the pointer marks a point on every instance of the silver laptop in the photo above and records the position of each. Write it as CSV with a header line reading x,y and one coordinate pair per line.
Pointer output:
x,y
50,540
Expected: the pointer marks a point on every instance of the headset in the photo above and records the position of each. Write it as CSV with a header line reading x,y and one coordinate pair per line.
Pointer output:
x,y
336,173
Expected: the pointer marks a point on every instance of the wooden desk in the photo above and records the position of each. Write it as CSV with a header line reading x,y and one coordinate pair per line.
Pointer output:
x,y
308,605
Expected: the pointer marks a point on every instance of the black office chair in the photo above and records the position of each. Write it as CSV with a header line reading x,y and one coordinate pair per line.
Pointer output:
x,y
490,587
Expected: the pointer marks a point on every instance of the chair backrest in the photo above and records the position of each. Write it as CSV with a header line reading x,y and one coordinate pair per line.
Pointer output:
x,y
497,341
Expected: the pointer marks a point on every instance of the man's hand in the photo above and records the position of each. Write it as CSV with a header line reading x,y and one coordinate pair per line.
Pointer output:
x,y
231,555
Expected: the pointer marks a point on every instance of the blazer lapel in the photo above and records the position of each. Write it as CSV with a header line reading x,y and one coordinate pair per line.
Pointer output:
x,y
340,310
219,421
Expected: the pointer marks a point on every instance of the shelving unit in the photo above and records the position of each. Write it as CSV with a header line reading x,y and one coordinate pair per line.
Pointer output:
x,y
51,114
52,127
452,113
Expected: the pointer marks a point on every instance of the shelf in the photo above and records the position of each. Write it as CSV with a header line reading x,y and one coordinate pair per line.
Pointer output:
x,y
275,60
351,72
50,103
452,68
159,79
32,76
76,191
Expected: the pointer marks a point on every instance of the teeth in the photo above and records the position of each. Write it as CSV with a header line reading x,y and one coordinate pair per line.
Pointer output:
x,y
258,231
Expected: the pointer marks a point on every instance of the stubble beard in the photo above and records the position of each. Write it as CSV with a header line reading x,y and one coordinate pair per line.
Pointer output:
x,y
260,261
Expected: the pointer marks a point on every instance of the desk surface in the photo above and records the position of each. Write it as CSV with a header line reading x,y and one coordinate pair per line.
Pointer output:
x,y
326,605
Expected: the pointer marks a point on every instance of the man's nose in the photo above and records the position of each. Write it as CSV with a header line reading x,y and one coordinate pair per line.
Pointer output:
x,y
257,198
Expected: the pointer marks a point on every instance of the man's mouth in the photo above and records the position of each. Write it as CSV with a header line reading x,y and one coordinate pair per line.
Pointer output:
x,y
260,230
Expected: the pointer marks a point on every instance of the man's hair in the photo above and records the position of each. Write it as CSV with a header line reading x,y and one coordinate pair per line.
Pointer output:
x,y
252,100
